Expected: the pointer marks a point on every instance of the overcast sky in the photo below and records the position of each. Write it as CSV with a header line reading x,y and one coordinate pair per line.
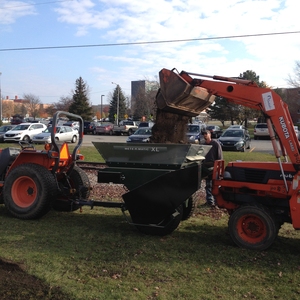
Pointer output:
x,y
208,28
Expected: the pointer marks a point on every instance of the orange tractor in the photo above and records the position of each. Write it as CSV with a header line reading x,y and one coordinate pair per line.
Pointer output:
x,y
32,181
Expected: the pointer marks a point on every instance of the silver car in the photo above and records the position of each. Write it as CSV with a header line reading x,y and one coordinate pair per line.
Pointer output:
x,y
63,134
142,135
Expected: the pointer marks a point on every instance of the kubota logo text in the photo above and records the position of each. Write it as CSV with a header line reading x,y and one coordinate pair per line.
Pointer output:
x,y
284,127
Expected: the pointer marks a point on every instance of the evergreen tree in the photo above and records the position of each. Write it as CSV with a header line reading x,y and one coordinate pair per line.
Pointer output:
x,y
116,97
80,105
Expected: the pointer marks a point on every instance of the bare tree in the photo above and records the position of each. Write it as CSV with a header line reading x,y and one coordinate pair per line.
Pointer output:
x,y
62,105
8,108
294,80
32,104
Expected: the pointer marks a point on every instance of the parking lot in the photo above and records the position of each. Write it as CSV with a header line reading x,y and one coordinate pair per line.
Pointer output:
x,y
256,145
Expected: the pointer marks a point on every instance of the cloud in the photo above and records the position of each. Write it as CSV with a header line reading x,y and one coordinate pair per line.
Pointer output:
x,y
11,11
104,22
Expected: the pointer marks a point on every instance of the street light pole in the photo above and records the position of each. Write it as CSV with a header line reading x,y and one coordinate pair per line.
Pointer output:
x,y
101,107
118,102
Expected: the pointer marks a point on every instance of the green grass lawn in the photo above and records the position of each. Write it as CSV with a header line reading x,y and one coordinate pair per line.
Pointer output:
x,y
97,255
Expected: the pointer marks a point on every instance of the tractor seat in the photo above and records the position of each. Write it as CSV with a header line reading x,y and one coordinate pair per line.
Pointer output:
x,y
7,156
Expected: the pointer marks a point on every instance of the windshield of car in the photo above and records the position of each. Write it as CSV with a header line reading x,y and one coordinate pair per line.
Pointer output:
x,y
263,125
143,131
2,129
233,133
49,129
211,127
193,128
105,124
21,127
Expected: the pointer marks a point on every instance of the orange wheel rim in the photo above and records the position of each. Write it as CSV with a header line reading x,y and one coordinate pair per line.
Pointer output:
x,y
251,229
24,191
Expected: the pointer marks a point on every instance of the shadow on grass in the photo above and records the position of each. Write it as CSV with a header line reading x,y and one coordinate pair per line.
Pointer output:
x,y
107,227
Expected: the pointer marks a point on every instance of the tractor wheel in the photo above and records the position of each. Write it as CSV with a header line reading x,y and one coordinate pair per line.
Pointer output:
x,y
78,180
189,207
28,191
252,227
166,227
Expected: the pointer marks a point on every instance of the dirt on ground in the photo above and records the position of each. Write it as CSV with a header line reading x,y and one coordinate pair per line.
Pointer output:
x,y
15,284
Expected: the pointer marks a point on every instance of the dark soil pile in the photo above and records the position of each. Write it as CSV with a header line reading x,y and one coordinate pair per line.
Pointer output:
x,y
169,128
17,284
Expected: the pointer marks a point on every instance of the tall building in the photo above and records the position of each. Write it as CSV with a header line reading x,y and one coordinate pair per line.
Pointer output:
x,y
141,87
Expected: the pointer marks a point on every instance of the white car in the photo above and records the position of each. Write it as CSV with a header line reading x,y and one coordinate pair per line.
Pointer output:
x,y
63,134
24,132
261,131
297,132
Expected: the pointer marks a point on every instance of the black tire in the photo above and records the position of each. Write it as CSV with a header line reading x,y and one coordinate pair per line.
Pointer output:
x,y
130,132
26,138
29,191
252,227
166,227
189,207
77,180
74,139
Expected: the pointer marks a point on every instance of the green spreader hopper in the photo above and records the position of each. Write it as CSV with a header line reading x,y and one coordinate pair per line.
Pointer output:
x,y
161,178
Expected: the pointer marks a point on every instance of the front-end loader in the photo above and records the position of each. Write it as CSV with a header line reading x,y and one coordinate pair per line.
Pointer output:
x,y
259,196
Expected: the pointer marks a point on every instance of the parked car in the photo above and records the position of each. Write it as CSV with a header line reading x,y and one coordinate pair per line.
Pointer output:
x,y
89,127
236,127
146,124
73,124
261,131
193,133
141,135
296,130
63,134
3,130
24,132
215,130
235,140
105,128
17,119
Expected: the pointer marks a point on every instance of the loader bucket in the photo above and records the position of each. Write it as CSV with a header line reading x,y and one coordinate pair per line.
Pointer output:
x,y
178,96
